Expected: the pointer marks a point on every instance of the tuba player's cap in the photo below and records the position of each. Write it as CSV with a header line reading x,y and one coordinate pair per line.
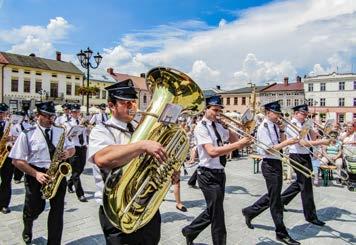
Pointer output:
x,y
123,90
3,107
301,108
46,108
273,107
214,100
102,106
75,107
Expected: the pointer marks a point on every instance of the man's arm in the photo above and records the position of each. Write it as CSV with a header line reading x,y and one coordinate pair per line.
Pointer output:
x,y
215,151
25,167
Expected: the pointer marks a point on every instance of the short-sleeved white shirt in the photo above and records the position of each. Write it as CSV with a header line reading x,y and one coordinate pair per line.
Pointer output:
x,y
83,130
62,119
291,133
98,118
267,136
205,135
31,146
16,129
99,138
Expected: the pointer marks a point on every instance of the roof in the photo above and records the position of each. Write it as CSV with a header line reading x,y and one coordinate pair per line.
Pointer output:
x,y
245,90
39,63
297,86
139,82
102,78
209,92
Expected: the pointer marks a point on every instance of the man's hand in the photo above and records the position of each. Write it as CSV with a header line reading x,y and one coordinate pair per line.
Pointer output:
x,y
42,177
292,141
155,149
325,141
63,155
245,141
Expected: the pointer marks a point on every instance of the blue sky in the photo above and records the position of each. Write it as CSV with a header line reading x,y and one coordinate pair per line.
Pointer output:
x,y
227,43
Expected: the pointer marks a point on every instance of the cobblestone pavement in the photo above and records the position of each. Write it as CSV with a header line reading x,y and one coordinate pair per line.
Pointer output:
x,y
335,205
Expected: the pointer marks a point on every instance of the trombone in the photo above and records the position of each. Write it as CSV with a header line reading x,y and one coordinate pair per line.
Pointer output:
x,y
283,157
301,134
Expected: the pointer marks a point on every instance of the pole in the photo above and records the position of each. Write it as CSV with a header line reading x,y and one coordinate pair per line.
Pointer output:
x,y
88,67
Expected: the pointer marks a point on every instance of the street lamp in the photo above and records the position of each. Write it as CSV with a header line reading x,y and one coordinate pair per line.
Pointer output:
x,y
84,59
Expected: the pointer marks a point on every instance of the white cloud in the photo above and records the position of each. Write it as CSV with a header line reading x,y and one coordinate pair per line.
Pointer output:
x,y
202,72
36,39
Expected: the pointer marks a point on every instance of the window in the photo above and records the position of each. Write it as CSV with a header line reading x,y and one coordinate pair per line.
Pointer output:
x,y
27,86
310,102
281,102
354,85
322,101
54,90
354,101
310,87
27,72
14,85
288,102
144,99
54,75
76,90
38,86
296,102
13,104
322,86
341,118
341,101
235,100
77,77
322,117
228,101
341,86
69,89
103,96
38,73
15,70
69,77
243,101
97,95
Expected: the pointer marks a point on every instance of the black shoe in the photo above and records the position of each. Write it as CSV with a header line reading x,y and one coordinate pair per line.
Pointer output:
x,y
193,186
188,240
287,240
70,189
182,208
5,210
27,237
247,220
316,222
82,199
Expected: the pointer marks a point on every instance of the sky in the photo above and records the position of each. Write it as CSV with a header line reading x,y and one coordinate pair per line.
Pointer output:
x,y
227,43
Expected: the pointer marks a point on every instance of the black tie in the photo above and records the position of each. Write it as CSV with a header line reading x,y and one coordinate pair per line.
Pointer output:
x,y
130,128
276,132
80,137
220,143
67,118
47,130
77,122
102,117
51,147
2,123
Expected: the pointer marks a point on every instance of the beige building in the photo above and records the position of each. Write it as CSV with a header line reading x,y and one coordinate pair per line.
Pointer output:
x,y
101,82
30,79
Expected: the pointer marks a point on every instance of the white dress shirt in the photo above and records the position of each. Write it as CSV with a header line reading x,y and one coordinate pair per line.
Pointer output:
x,y
16,129
291,133
206,135
73,125
62,119
31,146
98,118
268,137
101,137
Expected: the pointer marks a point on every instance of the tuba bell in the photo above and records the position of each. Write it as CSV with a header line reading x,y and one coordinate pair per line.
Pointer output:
x,y
134,192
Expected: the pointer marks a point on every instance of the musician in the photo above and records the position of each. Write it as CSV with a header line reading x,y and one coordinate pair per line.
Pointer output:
x,y
77,134
109,148
269,134
7,170
14,133
32,153
66,115
210,136
300,153
99,117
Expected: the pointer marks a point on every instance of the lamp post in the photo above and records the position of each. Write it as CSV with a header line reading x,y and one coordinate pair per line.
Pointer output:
x,y
84,59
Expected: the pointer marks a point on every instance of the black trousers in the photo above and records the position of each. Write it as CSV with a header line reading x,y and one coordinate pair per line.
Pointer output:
x,y
150,234
34,206
193,179
304,186
18,174
212,185
78,163
272,172
7,171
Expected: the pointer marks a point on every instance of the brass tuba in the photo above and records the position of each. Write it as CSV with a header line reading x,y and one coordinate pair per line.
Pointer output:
x,y
4,150
134,192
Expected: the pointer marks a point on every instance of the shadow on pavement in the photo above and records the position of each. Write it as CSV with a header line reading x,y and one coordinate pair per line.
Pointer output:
x,y
93,239
266,241
17,191
174,216
232,189
39,241
17,208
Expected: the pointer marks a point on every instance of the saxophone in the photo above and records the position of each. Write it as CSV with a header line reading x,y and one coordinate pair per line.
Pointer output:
x,y
4,150
134,192
56,171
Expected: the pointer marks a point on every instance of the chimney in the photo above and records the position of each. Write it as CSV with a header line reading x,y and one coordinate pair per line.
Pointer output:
x,y
110,71
218,87
32,55
58,56
143,75
285,81
299,79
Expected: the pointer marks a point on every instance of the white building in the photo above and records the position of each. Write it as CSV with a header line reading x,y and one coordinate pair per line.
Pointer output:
x,y
332,96
30,79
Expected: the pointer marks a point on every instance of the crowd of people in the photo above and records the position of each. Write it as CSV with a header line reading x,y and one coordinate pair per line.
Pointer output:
x,y
103,141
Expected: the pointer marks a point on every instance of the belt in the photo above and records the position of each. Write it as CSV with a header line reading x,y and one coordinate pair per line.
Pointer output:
x,y
300,154
39,169
213,170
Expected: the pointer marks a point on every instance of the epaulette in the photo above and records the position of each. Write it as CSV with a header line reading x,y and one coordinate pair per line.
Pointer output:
x,y
265,125
204,123
28,130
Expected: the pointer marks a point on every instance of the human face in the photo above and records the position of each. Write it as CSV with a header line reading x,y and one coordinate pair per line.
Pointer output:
x,y
301,115
2,115
273,116
45,120
212,112
75,114
66,111
123,110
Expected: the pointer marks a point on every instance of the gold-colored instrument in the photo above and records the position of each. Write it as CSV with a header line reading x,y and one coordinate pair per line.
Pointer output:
x,y
133,193
56,171
4,151
285,158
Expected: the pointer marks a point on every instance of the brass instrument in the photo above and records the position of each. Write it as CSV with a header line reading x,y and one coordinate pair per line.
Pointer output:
x,y
56,171
285,158
4,151
134,192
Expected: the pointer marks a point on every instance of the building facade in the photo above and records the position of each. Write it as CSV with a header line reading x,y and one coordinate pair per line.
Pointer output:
x,y
101,82
288,94
332,96
26,80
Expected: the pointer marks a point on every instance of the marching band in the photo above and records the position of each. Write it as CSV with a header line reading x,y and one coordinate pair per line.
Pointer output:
x,y
107,143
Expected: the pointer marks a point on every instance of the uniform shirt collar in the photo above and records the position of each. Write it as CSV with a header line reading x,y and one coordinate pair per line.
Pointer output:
x,y
208,122
118,123
43,128
269,122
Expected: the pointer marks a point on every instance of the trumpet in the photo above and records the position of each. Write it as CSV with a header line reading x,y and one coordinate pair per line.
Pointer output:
x,y
283,157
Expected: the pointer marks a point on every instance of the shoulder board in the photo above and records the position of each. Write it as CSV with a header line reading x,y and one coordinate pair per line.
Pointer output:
x,y
265,125
28,130
294,123
204,123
